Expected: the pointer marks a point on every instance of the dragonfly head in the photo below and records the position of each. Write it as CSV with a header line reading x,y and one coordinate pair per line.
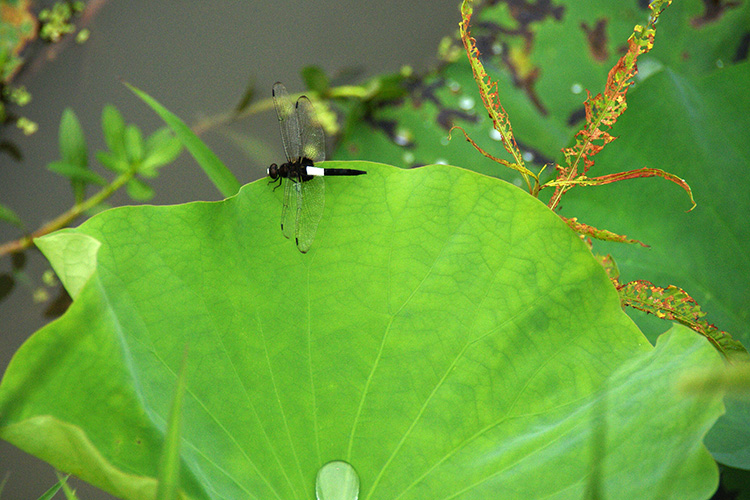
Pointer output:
x,y
273,171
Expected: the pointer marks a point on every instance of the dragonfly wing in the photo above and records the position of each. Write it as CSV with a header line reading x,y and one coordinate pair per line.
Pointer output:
x,y
288,122
313,140
310,203
288,223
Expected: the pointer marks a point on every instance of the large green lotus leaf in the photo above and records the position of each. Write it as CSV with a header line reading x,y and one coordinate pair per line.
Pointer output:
x,y
696,128
446,335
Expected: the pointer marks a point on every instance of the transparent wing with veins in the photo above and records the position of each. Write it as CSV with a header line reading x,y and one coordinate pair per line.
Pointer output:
x,y
311,192
290,137
310,203
312,137
288,122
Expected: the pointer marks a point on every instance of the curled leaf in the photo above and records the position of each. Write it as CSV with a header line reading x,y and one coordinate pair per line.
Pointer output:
x,y
621,176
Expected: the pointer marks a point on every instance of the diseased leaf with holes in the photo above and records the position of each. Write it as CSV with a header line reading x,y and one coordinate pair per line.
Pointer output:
x,y
493,106
673,304
602,110
599,234
695,127
536,50
544,57
447,335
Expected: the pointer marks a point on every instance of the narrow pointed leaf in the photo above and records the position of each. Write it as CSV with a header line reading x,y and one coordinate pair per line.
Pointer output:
x,y
169,467
113,162
222,177
113,127
76,173
133,144
247,96
50,493
139,190
73,150
9,215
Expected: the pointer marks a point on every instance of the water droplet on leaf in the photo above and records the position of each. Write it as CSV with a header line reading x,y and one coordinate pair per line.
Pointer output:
x,y
337,480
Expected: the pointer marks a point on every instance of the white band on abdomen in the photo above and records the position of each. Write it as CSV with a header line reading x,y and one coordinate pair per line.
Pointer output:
x,y
315,171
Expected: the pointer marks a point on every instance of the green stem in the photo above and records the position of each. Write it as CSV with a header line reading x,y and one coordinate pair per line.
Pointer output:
x,y
66,218
211,122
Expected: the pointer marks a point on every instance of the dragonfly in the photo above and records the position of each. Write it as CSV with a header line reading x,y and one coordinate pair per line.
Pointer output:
x,y
304,146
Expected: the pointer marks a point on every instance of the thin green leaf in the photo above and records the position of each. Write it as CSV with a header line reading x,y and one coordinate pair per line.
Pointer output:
x,y
76,173
315,79
47,495
133,144
70,494
9,215
73,149
222,178
139,190
247,97
169,464
113,162
162,148
113,127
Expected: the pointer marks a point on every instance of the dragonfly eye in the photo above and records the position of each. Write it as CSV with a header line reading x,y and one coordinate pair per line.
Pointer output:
x,y
273,171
